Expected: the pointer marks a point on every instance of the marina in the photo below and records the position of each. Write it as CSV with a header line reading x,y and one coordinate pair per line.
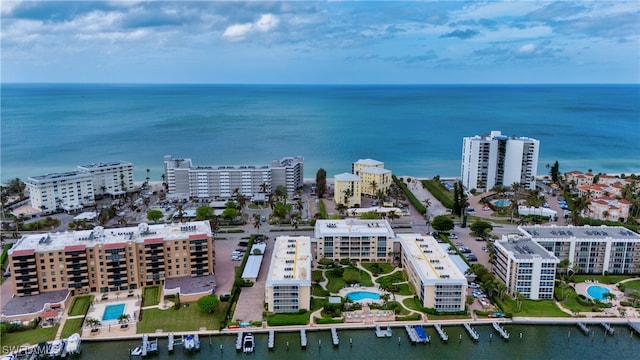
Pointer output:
x,y
383,333
303,338
609,330
272,339
73,344
334,337
421,334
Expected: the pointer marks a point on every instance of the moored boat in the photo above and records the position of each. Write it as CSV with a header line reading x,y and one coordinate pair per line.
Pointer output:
x,y
248,343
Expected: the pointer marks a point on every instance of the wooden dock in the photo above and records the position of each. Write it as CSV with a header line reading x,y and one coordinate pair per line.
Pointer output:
x,y
501,330
610,330
583,327
334,337
441,332
303,338
472,332
239,341
272,339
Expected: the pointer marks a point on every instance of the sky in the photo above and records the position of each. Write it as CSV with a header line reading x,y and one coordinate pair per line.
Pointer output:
x,y
308,42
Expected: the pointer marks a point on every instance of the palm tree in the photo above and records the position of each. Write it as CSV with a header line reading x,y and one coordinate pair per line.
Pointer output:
x,y
427,204
263,187
609,296
124,318
347,194
580,204
256,223
147,178
374,187
635,297
519,300
93,323
272,200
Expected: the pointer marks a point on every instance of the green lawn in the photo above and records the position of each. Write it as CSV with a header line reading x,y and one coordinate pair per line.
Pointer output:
x,y
318,290
335,282
317,276
187,318
571,300
635,285
80,305
412,304
289,319
151,296
396,277
72,326
32,337
536,308
378,268
404,289
363,277
609,279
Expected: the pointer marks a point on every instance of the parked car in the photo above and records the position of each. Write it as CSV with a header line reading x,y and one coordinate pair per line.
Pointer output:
x,y
471,257
465,250
473,285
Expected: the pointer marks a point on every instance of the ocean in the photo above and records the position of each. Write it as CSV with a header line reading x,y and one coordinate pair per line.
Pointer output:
x,y
415,130
538,342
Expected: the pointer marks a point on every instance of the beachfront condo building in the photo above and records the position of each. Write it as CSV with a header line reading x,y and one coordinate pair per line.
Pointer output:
x,y
360,240
595,249
288,285
495,159
184,180
373,175
110,178
525,267
347,190
103,260
438,281
68,191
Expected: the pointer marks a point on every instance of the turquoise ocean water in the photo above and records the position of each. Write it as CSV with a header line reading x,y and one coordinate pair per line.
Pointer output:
x,y
415,130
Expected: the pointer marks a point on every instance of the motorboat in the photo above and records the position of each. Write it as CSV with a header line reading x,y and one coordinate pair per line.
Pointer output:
x,y
137,351
56,349
73,344
191,343
248,343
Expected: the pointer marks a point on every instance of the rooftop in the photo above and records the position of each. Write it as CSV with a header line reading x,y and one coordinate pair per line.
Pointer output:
x,y
252,267
99,165
375,170
369,162
100,236
61,176
431,261
353,227
523,248
192,284
291,260
346,177
583,232
22,305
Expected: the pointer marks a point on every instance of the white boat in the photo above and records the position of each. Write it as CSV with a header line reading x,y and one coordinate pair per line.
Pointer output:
x,y
57,347
137,351
248,344
73,344
189,343
7,357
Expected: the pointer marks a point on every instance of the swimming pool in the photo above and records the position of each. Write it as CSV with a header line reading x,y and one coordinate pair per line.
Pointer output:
x,y
113,312
363,295
501,203
597,292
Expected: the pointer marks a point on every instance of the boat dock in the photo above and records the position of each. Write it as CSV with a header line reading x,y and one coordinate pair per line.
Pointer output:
x,y
583,327
411,332
272,339
170,342
501,330
196,342
334,337
145,344
383,333
635,326
303,338
608,328
239,341
472,332
422,334
441,332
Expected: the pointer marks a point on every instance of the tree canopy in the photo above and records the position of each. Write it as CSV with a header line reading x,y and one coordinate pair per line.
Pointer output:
x,y
481,228
442,223
208,303
321,182
204,212
154,215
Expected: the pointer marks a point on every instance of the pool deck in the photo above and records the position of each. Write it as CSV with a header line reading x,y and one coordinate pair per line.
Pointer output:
x,y
131,307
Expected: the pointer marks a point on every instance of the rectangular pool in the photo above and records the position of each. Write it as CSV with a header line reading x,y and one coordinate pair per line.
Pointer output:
x,y
113,312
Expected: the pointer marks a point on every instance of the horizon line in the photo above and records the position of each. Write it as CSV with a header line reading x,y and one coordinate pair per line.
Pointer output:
x,y
318,84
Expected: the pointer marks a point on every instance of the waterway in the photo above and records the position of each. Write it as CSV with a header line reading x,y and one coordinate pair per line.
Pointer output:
x,y
537,342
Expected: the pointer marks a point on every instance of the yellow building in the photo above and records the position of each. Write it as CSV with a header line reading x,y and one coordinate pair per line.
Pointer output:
x,y
347,190
375,179
357,166
103,260
288,285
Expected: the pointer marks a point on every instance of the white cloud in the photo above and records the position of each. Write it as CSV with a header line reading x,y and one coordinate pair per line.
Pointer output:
x,y
239,32
527,49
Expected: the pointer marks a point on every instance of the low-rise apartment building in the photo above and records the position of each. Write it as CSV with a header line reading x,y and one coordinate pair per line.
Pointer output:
x,y
525,267
438,281
67,191
102,260
288,285
360,240
110,178
347,189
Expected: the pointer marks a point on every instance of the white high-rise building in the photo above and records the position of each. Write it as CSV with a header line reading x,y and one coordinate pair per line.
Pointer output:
x,y
496,159
110,178
185,180
69,191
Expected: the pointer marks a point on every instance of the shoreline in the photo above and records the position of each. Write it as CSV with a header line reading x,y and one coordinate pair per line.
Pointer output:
x,y
393,325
